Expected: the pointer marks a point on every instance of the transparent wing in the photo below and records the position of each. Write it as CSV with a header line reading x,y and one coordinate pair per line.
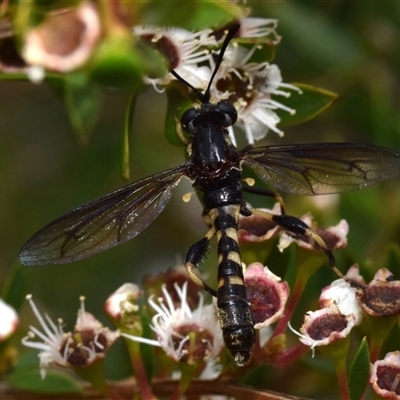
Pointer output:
x,y
102,223
313,169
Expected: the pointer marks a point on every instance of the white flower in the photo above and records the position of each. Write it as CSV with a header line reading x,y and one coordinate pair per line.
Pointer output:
x,y
183,50
385,376
8,320
64,40
343,296
266,293
185,335
249,86
381,297
324,326
339,312
87,344
259,27
123,301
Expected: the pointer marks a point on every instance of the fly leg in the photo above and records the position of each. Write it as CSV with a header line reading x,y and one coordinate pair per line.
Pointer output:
x,y
295,228
206,219
268,193
194,255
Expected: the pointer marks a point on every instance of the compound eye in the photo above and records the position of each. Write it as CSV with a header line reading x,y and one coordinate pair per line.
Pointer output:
x,y
187,118
228,111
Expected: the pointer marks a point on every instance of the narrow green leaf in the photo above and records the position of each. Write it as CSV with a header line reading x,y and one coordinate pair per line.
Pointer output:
x,y
13,77
28,15
15,287
188,372
83,100
392,258
359,371
307,104
147,352
125,171
57,84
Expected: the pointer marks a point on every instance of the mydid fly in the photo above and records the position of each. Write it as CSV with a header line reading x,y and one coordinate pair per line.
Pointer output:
x,y
214,167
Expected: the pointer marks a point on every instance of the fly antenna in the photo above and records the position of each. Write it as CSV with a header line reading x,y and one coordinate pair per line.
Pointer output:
x,y
180,79
205,97
229,36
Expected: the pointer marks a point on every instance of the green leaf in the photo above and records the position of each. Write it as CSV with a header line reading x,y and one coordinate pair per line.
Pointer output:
x,y
83,100
307,104
122,61
359,371
27,361
55,382
26,376
214,13
125,171
192,15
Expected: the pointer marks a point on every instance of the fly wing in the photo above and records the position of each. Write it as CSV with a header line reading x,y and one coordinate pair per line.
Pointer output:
x,y
326,168
102,223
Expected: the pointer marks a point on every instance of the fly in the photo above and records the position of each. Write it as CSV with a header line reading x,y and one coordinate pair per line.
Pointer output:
x,y
214,167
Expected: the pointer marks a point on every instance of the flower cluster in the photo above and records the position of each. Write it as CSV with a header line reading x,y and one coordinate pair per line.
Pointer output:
x,y
187,329
247,85
343,305
339,312
191,334
77,37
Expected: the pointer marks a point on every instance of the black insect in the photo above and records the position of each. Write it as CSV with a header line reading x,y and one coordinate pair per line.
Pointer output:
x,y
214,167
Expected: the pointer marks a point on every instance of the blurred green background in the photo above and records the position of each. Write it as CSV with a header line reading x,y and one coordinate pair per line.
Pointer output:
x,y
351,48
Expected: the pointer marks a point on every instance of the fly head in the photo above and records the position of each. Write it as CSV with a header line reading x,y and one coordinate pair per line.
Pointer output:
x,y
222,114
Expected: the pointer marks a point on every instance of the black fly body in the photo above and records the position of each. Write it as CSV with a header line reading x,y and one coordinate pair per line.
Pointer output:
x,y
214,167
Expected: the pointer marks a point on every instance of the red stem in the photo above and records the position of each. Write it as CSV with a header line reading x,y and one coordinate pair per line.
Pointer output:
x,y
298,288
343,383
141,377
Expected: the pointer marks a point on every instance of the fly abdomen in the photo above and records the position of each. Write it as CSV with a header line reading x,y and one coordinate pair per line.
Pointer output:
x,y
237,329
233,307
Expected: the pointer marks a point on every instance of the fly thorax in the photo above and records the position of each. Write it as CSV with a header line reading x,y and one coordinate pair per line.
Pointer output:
x,y
209,148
